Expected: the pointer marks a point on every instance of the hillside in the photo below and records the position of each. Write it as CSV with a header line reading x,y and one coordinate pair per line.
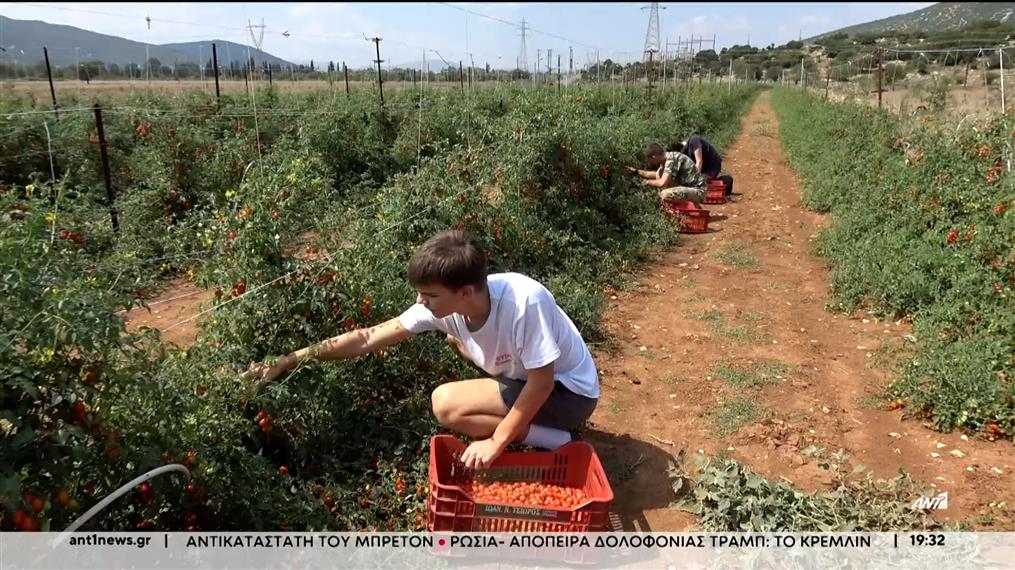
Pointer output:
x,y
24,39
944,16
226,50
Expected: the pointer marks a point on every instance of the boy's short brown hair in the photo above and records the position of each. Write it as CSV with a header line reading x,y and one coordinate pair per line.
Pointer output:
x,y
654,149
452,259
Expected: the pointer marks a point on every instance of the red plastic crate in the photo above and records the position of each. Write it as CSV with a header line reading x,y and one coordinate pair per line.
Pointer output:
x,y
450,508
715,192
692,219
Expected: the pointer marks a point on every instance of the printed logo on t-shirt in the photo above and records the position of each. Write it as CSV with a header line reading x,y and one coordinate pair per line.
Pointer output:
x,y
503,359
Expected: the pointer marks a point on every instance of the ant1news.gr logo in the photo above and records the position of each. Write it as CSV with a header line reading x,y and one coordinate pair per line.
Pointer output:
x,y
938,503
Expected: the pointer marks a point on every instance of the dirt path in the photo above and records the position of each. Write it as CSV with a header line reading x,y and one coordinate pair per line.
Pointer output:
x,y
179,301
752,295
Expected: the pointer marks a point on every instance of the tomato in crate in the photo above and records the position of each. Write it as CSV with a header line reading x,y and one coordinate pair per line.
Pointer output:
x,y
553,491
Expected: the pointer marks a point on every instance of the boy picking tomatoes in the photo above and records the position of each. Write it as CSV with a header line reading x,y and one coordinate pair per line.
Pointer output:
x,y
541,379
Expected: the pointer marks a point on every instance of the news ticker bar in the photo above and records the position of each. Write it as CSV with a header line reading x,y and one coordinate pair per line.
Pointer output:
x,y
670,551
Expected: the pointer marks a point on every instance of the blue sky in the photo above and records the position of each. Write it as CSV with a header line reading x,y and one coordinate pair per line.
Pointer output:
x,y
335,31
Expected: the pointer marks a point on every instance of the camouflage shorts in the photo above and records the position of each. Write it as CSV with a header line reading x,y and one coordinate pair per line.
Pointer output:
x,y
696,195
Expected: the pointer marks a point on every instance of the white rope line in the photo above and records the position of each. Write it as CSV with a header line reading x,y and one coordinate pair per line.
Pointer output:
x,y
18,131
41,111
169,300
52,170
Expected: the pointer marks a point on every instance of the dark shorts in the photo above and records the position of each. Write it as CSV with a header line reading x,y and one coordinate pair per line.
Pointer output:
x,y
563,409
712,170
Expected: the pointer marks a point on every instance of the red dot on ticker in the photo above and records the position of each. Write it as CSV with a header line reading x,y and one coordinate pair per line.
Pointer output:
x,y
441,542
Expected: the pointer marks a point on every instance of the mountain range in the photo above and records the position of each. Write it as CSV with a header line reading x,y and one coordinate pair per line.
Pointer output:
x,y
941,17
23,40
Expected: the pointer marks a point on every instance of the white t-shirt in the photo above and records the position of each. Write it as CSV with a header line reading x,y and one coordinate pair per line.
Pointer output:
x,y
526,330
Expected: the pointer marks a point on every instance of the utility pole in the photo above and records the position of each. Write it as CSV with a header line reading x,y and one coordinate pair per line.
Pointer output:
x,y
731,73
215,65
666,47
380,82
104,156
881,73
1000,55
49,73
523,59
648,84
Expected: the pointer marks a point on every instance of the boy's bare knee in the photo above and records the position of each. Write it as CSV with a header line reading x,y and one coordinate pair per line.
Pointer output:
x,y
443,405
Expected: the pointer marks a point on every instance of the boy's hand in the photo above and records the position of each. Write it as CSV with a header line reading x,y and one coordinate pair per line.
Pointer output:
x,y
264,372
630,170
481,453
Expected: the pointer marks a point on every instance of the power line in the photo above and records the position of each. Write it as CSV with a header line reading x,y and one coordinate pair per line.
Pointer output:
x,y
517,25
243,31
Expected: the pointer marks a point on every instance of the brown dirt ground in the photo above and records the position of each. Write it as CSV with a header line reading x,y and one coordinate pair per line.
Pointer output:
x,y
658,382
179,301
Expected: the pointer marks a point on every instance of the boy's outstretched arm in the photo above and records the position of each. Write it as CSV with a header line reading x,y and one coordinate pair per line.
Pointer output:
x,y
661,182
649,174
537,389
347,345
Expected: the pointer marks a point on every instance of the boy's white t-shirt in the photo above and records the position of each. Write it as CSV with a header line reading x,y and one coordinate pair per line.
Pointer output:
x,y
526,330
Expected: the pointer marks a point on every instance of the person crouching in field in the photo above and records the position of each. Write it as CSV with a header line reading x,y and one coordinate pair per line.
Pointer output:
x,y
674,173
542,381
705,156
